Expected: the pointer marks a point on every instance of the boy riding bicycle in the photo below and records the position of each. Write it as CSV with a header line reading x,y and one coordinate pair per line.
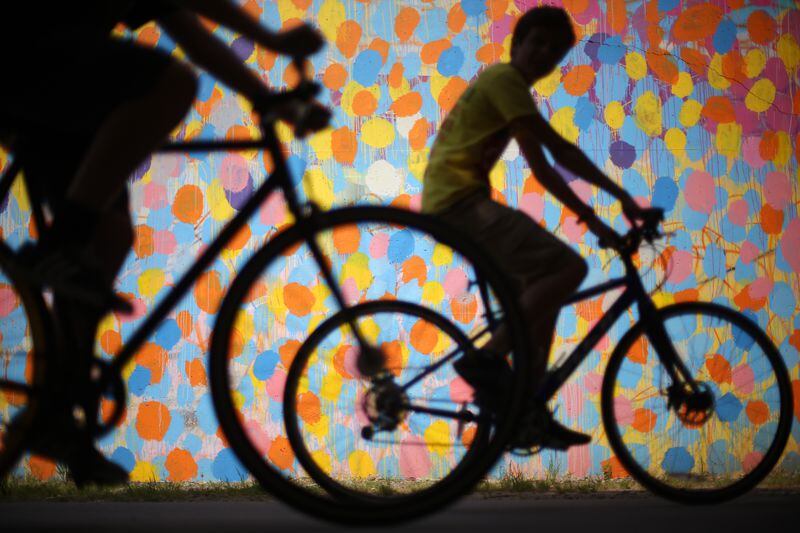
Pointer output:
x,y
496,107
112,103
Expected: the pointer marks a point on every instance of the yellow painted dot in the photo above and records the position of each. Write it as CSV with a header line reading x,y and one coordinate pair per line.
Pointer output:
x,y
788,51
323,460
361,464
690,113
614,114
417,162
716,77
760,96
647,113
784,149
330,16
438,436
432,293
318,187
320,430
549,84
331,386
321,144
150,282
218,205
244,324
144,472
684,86
675,139
729,139
442,255
635,65
754,62
378,133
563,121
497,176
357,267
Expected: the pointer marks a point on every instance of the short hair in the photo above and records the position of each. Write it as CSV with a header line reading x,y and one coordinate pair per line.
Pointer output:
x,y
552,18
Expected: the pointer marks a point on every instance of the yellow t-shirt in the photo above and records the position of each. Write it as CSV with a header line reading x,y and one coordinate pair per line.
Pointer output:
x,y
474,135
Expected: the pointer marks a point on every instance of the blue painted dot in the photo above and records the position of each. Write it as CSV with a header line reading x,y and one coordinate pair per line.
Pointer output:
x,y
473,8
450,61
667,5
622,154
401,246
139,380
124,458
367,66
227,467
725,36
728,408
677,461
665,192
612,50
168,334
265,364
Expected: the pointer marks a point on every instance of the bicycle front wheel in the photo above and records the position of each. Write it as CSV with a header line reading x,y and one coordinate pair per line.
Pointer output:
x,y
704,443
280,298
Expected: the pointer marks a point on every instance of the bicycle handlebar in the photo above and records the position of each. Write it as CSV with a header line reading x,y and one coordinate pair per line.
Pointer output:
x,y
648,231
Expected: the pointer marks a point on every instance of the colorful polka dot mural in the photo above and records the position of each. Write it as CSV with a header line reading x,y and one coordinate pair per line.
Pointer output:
x,y
692,106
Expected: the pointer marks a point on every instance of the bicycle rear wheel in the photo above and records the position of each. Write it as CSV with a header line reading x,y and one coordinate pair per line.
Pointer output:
x,y
22,356
405,433
279,298
705,445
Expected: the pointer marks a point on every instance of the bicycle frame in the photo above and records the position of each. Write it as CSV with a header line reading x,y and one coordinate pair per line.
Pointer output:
x,y
280,179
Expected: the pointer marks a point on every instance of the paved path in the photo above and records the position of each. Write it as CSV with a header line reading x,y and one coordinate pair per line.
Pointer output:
x,y
763,512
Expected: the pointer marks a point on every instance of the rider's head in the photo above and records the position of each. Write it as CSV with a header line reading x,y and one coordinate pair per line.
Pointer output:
x,y
541,39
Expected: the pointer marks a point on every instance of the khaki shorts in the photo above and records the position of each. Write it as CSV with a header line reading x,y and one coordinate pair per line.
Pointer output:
x,y
525,250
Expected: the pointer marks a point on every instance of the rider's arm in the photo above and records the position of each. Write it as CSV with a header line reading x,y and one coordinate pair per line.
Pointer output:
x,y
302,40
574,160
553,182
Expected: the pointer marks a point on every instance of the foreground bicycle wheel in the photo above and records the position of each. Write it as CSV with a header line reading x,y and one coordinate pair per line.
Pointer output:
x,y
707,445
22,349
280,297
405,432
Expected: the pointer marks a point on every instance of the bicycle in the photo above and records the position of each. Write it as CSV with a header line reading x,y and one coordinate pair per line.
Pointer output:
x,y
697,372
32,343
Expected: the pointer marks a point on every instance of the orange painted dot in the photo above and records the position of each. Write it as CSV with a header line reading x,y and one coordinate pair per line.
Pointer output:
x,y
280,453
719,109
424,336
308,407
180,465
719,368
469,435
617,15
236,343
41,468
347,37
298,299
687,295
339,359
489,53
238,132
733,66
288,351
335,77
464,310
662,65
110,341
451,92
696,60
405,23
184,320
414,268
257,290
152,420
638,351
576,7
761,27
395,78
497,9
143,244
757,411
393,357
154,358
743,300
149,35
265,59
771,220
208,292
696,22
579,80
768,146
407,105
364,104
346,239
431,51
240,239
344,145
418,135
613,468
196,372
796,396
590,310
381,46
456,18
188,204
644,420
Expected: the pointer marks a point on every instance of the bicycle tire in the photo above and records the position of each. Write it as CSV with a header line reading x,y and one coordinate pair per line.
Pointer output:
x,y
18,297
683,473
292,416
270,478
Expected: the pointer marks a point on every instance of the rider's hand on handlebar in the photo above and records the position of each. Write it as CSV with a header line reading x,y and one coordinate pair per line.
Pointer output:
x,y
608,238
300,41
633,212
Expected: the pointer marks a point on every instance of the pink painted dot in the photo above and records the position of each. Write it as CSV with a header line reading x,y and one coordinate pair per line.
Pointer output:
x,y
751,460
572,395
790,244
361,414
460,391
455,283
738,212
8,300
777,190
743,379
623,411
273,211
752,155
257,435
680,266
592,382
748,252
582,189
579,461
165,242
139,309
573,230
532,204
275,385
350,358
350,291
699,192
155,196
760,288
415,202
234,173
379,245
415,463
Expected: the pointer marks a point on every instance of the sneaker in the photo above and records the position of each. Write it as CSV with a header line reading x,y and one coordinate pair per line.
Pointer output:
x,y
66,274
488,374
540,429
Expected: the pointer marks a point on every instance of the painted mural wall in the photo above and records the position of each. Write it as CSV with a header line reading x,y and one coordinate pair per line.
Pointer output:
x,y
691,106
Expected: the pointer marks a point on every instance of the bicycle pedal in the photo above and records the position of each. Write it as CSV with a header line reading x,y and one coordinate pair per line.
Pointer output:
x,y
525,452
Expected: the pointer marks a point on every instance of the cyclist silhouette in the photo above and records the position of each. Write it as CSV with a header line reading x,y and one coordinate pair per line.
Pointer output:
x,y
496,107
113,102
